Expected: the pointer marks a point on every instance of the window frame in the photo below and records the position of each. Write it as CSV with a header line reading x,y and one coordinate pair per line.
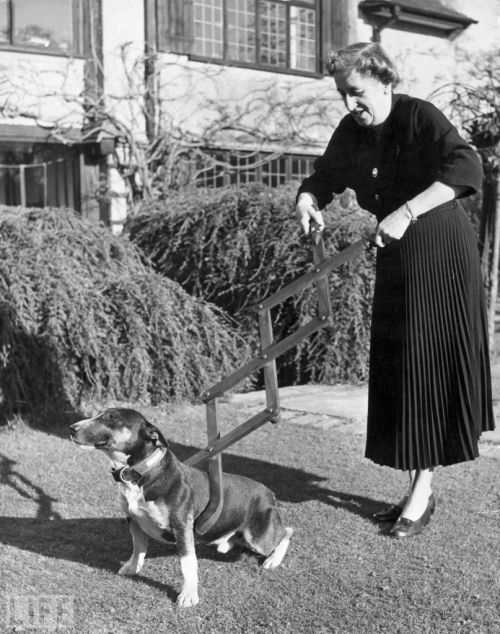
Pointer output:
x,y
225,60
78,44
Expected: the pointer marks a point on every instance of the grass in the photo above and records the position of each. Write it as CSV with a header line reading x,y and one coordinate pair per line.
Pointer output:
x,y
63,534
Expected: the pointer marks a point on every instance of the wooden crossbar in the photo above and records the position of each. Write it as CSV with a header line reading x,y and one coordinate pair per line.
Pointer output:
x,y
323,267
270,374
268,354
217,446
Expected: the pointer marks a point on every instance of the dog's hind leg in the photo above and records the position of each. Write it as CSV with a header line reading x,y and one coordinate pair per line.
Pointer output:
x,y
276,557
266,534
140,546
189,566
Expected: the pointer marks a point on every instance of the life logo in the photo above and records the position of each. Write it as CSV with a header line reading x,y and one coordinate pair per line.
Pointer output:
x,y
43,612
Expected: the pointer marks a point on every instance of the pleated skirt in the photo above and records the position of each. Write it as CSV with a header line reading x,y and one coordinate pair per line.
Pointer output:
x,y
429,383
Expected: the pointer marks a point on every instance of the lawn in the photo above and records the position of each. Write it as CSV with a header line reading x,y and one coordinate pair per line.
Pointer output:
x,y
64,538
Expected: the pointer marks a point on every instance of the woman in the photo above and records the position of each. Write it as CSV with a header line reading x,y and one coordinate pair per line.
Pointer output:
x,y
429,386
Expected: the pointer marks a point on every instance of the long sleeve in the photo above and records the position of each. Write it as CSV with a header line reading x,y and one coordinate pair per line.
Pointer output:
x,y
332,171
459,164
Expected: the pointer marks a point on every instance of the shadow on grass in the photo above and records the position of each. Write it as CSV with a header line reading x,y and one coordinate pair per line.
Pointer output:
x,y
289,484
101,543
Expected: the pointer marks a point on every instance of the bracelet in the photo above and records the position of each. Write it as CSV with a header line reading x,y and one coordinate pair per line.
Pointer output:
x,y
413,218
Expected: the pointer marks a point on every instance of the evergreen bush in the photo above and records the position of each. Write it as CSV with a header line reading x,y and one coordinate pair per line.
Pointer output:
x,y
236,246
84,318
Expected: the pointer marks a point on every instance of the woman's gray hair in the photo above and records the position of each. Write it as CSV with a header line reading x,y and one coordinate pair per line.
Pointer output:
x,y
367,58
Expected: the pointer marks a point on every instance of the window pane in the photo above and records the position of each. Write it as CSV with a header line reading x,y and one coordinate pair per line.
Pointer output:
x,y
274,172
241,30
4,22
43,23
211,169
208,28
301,167
273,34
10,189
243,169
302,39
35,181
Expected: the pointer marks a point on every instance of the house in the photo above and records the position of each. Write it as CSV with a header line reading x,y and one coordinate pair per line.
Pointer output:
x,y
101,99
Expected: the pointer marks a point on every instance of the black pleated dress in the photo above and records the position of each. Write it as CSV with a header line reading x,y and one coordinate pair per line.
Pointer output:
x,y
429,383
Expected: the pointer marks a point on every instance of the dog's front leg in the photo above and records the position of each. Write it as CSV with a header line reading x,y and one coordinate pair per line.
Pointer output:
x,y
184,538
140,542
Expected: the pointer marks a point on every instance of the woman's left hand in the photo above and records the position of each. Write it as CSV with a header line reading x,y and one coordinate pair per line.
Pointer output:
x,y
392,227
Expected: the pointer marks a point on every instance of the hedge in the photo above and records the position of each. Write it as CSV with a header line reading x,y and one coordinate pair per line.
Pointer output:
x,y
84,318
236,246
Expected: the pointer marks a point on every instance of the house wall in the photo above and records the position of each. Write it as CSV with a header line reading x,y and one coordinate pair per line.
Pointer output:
x,y
204,98
123,50
40,89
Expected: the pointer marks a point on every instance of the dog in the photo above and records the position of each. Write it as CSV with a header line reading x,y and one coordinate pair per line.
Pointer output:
x,y
162,498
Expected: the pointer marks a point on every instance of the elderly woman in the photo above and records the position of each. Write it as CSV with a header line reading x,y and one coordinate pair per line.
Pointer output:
x,y
429,386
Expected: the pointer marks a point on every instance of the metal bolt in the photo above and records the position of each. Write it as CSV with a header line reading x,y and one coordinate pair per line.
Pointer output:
x,y
264,356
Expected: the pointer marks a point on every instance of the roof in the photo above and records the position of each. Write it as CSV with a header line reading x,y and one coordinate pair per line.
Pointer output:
x,y
431,8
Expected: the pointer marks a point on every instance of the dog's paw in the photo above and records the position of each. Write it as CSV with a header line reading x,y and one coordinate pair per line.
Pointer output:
x,y
270,563
225,547
188,598
276,557
130,569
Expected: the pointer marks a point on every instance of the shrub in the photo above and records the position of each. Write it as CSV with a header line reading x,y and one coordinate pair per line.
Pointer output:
x,y
84,318
236,246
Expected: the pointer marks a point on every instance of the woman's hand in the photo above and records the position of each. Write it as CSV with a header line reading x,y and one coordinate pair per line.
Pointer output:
x,y
307,210
392,227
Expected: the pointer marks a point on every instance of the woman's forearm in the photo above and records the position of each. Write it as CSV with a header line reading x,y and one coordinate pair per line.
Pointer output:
x,y
436,194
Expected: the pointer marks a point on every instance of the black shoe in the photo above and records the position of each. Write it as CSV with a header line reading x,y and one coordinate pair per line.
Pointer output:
x,y
407,528
389,514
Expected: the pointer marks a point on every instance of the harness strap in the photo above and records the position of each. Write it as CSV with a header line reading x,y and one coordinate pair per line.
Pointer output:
x,y
212,512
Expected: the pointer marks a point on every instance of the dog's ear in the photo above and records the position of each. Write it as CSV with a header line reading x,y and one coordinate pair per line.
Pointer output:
x,y
155,436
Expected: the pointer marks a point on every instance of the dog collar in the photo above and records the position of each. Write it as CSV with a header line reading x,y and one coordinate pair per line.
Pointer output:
x,y
135,472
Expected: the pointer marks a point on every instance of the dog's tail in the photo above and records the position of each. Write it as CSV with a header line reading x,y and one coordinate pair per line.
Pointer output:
x,y
276,557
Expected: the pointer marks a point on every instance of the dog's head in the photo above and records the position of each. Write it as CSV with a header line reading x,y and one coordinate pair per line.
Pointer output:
x,y
117,430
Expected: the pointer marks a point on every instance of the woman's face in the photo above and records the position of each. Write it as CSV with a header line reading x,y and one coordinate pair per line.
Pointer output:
x,y
366,98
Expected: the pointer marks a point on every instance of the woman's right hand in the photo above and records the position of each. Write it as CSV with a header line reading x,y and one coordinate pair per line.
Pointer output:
x,y
307,211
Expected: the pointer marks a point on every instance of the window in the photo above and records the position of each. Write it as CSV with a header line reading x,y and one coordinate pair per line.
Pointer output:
x,y
278,34
39,176
42,25
239,168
